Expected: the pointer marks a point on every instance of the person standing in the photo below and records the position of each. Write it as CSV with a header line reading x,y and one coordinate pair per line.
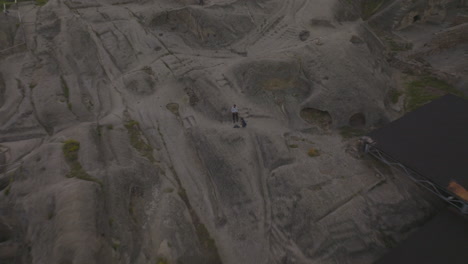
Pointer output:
x,y
235,114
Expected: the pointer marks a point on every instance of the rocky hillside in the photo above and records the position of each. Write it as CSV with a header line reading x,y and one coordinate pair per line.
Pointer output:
x,y
117,143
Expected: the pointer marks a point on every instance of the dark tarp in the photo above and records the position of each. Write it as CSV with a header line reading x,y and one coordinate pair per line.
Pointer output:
x,y
432,141
443,240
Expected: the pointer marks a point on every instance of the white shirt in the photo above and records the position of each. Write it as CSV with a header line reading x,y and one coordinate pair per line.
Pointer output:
x,y
234,110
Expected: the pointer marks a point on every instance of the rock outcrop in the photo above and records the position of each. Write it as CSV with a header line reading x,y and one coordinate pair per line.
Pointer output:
x,y
117,144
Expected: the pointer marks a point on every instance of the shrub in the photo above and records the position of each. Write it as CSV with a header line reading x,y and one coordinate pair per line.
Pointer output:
x,y
313,152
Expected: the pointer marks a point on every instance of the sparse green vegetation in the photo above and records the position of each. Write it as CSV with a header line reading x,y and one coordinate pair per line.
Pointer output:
x,y
207,243
349,132
9,3
399,46
370,7
425,89
132,123
98,130
395,95
6,3
8,188
138,141
70,151
66,92
50,215
162,261
110,127
115,244
32,85
41,2
313,152
111,222
417,97
168,190
293,146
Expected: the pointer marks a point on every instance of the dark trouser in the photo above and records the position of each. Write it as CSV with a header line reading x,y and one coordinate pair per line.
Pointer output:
x,y
235,117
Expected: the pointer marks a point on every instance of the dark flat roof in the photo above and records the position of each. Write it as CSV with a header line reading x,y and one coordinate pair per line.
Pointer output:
x,y
443,240
432,140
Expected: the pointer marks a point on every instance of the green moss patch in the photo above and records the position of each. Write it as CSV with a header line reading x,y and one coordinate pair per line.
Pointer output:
x,y
138,141
70,151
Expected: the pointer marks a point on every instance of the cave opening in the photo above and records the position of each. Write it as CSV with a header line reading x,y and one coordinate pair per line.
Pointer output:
x,y
357,120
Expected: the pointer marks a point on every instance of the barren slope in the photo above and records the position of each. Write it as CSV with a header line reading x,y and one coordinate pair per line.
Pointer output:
x,y
117,144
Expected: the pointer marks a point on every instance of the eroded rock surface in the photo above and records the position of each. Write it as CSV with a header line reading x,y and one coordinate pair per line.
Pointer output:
x,y
159,175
